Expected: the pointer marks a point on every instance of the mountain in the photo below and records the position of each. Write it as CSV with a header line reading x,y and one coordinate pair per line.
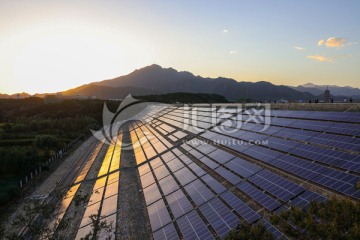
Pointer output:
x,y
16,95
334,90
168,80
105,92
155,80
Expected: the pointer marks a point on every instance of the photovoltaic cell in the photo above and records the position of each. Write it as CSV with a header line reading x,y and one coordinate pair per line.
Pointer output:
x,y
185,159
213,183
168,185
158,215
208,162
168,156
147,179
228,175
193,227
198,170
304,199
196,154
268,202
184,176
316,150
151,194
161,172
221,156
240,207
198,192
168,232
175,165
276,185
242,167
109,206
178,203
273,230
144,169
219,217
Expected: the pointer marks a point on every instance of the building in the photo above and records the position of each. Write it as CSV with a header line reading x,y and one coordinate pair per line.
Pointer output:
x,y
327,96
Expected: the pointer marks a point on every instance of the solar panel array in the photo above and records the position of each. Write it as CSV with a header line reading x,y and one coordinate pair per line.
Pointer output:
x,y
202,176
221,184
103,199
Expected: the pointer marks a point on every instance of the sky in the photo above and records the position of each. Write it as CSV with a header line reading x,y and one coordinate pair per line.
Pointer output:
x,y
51,46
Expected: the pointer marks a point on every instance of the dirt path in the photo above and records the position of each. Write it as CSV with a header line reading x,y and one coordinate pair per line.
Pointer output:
x,y
132,219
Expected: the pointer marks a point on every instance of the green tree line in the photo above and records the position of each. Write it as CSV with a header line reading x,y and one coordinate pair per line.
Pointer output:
x,y
32,131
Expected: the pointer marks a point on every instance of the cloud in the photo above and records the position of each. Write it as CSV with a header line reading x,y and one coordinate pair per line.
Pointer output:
x,y
225,31
321,42
232,52
320,58
299,48
332,42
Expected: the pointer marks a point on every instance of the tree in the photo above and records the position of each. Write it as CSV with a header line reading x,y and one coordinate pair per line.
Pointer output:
x,y
99,228
252,232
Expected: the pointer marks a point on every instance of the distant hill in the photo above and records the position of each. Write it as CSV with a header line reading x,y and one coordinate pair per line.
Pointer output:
x,y
168,80
336,91
16,95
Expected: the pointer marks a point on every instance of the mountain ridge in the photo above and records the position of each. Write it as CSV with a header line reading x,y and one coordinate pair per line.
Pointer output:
x,y
337,91
169,80
154,79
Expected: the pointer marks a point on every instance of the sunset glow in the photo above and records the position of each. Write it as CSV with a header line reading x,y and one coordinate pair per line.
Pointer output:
x,y
50,47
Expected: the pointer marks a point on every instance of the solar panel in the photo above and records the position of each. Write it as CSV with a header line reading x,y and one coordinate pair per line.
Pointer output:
x,y
221,156
111,189
184,176
262,154
167,232
147,179
185,159
198,170
109,206
151,194
219,216
158,215
268,202
243,168
276,185
213,183
168,185
193,227
168,156
178,203
144,169
198,192
240,207
175,165
273,230
228,175
304,199
161,172
90,210
208,162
